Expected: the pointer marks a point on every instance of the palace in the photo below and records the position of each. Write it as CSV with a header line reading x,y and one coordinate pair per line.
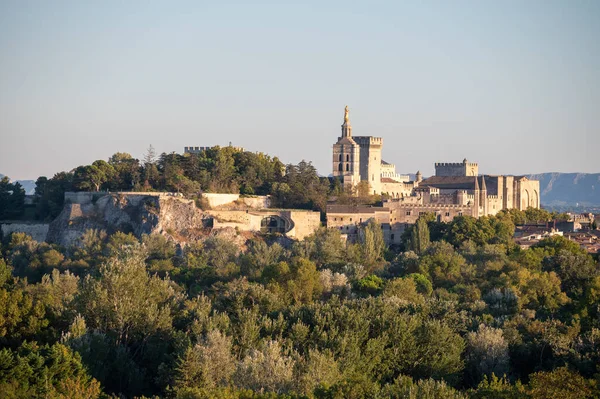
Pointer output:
x,y
456,189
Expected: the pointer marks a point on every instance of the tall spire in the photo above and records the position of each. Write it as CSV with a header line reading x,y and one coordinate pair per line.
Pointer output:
x,y
476,184
346,127
483,188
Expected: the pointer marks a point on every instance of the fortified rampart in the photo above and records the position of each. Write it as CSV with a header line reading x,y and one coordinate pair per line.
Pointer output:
x,y
464,168
218,200
38,231
172,215
291,222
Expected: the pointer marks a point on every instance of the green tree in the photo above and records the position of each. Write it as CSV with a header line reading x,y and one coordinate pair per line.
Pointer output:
x,y
55,371
419,238
372,245
93,177
124,301
127,171
12,199
561,383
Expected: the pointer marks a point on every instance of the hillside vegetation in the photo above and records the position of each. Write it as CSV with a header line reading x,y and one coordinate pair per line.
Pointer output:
x,y
459,311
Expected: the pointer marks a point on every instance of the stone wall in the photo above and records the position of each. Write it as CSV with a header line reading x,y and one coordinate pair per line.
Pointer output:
x,y
305,223
528,193
456,169
216,199
299,223
219,200
396,189
38,231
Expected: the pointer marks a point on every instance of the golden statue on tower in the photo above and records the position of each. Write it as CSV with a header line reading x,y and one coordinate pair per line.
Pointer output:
x,y
346,110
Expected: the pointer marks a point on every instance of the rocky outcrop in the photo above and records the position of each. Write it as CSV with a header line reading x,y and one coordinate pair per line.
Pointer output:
x,y
170,215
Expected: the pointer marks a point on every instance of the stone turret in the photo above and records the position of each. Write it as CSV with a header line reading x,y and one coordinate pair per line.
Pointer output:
x,y
476,198
419,177
483,195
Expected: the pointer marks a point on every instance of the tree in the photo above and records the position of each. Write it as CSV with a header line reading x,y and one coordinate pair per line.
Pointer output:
x,y
305,284
45,371
486,353
372,245
127,171
50,194
267,369
92,177
12,199
208,364
561,383
124,301
419,238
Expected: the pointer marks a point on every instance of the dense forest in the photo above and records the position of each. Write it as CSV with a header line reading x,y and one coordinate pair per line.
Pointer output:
x,y
458,311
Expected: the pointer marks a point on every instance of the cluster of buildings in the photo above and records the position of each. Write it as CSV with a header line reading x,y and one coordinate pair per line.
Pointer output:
x,y
456,189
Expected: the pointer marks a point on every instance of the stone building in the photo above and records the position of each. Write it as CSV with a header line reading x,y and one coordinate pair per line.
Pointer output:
x,y
358,159
456,189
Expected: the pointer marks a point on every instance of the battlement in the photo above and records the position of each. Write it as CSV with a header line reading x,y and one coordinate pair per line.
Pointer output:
x,y
368,140
433,206
463,168
197,150
457,164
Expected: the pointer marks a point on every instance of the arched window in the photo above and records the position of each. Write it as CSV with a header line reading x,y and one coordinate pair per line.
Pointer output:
x,y
340,168
347,168
347,158
340,159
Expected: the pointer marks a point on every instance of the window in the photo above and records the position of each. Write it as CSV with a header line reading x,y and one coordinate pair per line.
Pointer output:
x,y
447,213
347,158
350,219
347,167
340,158
340,167
460,214
407,213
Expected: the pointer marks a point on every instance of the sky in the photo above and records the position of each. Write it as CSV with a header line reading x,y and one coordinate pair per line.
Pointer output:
x,y
512,85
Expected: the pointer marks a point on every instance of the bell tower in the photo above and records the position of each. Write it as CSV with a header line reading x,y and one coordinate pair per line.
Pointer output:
x,y
346,154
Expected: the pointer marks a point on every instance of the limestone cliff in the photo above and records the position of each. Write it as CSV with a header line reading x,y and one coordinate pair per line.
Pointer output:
x,y
143,213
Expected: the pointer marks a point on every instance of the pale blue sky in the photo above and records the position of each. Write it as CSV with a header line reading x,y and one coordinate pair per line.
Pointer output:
x,y
513,85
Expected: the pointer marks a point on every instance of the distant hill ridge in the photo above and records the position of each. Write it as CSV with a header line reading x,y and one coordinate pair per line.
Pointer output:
x,y
565,189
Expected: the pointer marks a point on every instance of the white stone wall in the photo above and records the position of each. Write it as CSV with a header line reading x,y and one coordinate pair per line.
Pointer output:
x,y
256,202
38,231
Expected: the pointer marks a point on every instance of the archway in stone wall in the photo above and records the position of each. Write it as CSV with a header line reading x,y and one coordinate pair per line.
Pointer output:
x,y
273,224
525,200
536,199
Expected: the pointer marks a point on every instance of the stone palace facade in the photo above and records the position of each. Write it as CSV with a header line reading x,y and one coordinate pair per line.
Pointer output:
x,y
456,189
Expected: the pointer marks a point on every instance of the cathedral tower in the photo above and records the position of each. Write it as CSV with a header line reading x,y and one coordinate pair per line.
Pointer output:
x,y
346,155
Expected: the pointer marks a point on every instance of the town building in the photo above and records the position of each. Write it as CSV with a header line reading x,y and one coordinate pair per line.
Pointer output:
x,y
456,189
